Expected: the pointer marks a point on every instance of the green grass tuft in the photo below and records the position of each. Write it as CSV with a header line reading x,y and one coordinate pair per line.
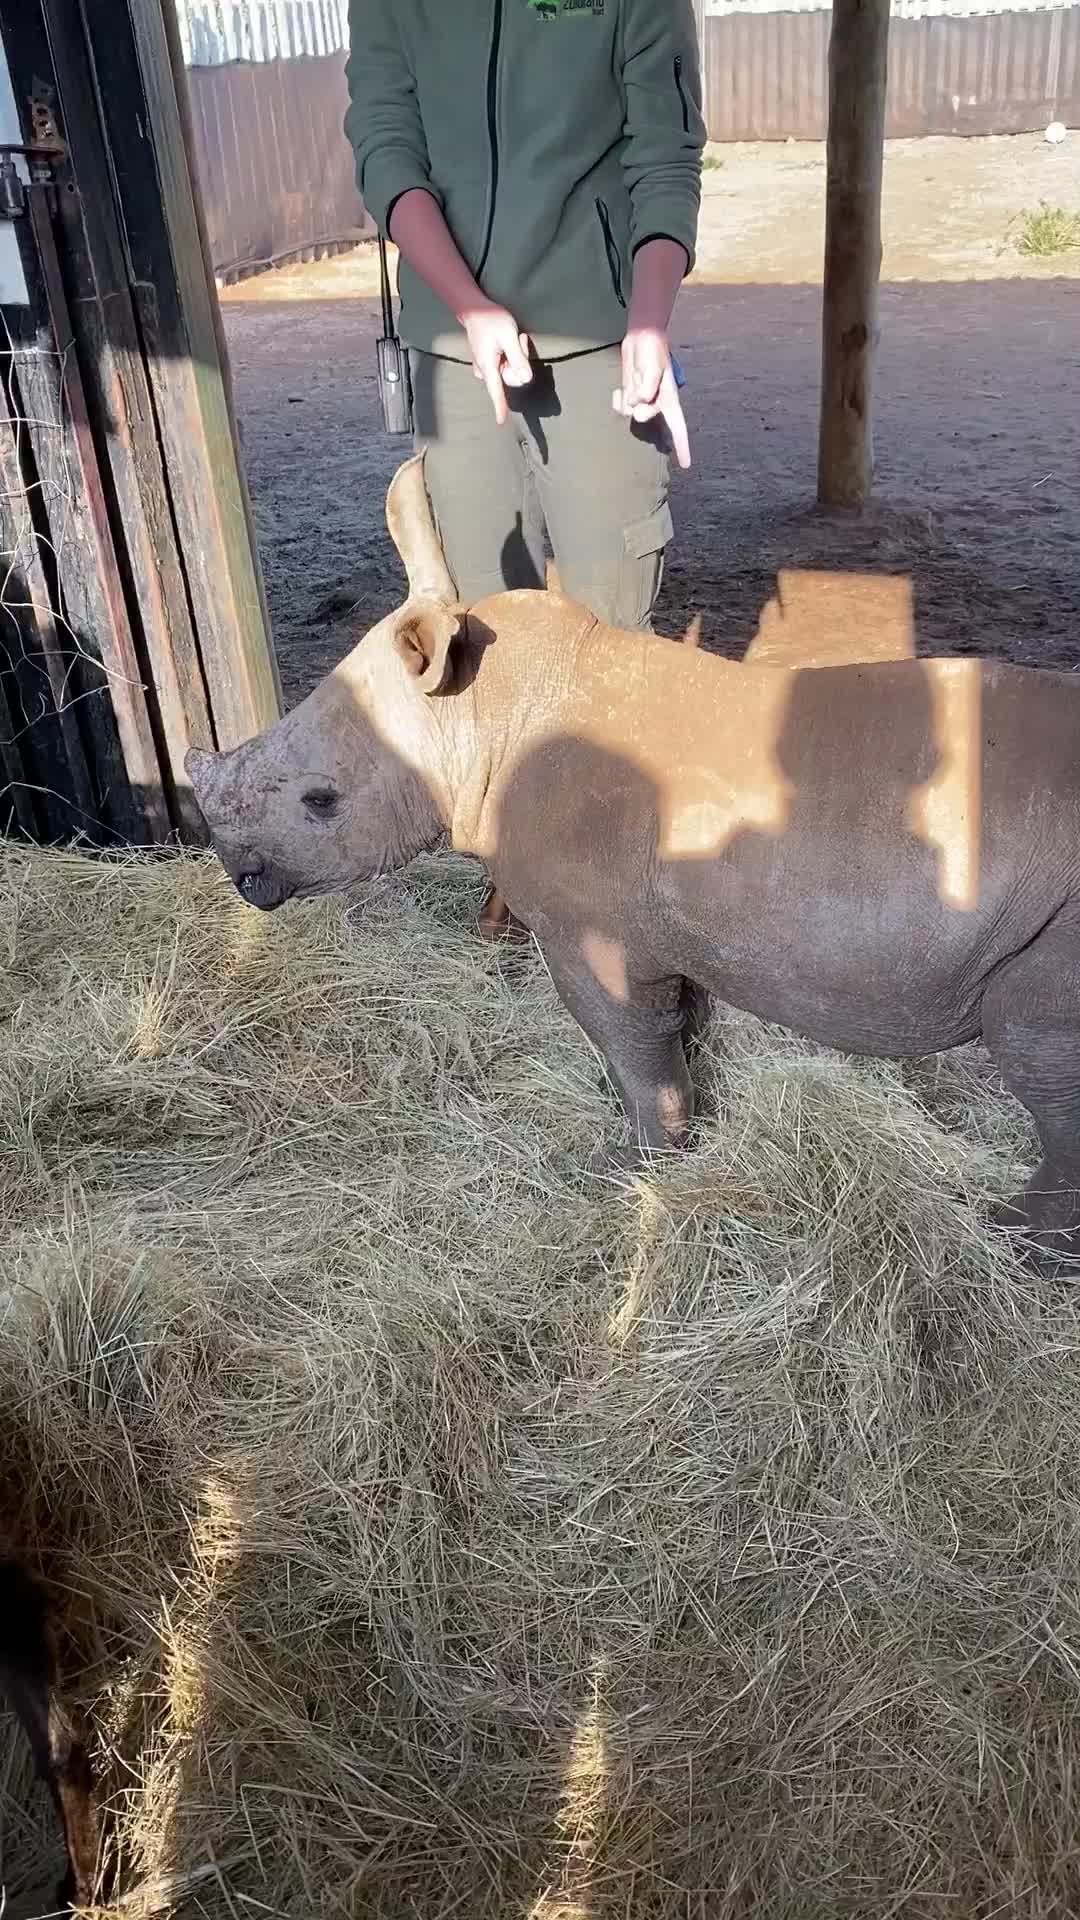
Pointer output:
x,y
1045,230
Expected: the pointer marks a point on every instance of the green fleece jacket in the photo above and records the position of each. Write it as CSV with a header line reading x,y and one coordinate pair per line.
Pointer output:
x,y
556,135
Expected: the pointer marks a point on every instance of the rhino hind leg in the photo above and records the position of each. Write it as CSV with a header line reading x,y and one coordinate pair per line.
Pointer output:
x,y
697,1007
1031,1025
28,1682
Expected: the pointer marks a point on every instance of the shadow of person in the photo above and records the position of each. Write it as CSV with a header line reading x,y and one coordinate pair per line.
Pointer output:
x,y
806,913
537,402
796,885
827,915
521,558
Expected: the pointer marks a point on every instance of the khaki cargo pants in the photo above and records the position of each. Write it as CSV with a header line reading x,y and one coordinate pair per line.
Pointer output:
x,y
565,461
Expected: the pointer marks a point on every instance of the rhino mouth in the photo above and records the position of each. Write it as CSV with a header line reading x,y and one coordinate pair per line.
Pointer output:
x,y
266,891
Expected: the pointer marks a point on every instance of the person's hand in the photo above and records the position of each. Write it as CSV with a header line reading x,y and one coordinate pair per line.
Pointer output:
x,y
648,387
500,353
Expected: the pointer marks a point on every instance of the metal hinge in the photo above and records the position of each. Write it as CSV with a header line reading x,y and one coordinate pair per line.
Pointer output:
x,y
40,156
12,191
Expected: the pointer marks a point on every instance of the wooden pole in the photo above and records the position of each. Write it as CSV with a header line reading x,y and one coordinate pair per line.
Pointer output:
x,y
858,61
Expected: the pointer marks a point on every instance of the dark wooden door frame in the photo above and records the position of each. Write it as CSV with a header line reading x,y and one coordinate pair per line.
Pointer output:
x,y
124,341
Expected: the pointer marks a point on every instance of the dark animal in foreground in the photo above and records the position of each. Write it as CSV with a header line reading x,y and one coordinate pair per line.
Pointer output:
x,y
28,1681
884,857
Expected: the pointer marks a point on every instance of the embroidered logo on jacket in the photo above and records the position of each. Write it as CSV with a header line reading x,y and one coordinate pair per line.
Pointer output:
x,y
583,9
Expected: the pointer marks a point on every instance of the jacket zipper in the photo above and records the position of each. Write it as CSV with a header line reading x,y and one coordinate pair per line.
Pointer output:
x,y
682,96
612,251
493,129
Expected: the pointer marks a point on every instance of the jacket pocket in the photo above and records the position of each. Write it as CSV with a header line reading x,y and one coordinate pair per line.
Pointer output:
x,y
651,535
610,248
642,568
681,91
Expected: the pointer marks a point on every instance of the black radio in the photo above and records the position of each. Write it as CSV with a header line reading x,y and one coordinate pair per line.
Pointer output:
x,y
395,381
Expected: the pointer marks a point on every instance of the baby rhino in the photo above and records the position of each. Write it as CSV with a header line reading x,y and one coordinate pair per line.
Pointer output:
x,y
884,857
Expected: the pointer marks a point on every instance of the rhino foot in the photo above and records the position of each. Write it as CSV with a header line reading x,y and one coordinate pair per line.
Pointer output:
x,y
496,922
1048,1218
631,1156
614,1159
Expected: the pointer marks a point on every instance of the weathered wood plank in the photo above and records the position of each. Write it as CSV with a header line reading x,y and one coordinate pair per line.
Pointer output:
x,y
82,599
88,573
19,811
43,663
121,407
66,658
140,90
159,570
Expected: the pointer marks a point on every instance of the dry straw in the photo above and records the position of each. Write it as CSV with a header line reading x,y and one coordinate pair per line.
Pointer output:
x,y
445,1532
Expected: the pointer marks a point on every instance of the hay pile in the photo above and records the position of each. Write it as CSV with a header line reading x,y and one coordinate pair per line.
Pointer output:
x,y
456,1535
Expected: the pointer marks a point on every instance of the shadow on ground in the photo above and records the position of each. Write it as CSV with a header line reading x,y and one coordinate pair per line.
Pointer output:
x,y
978,446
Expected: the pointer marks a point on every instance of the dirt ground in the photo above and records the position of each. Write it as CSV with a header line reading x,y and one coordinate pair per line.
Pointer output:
x,y
972,542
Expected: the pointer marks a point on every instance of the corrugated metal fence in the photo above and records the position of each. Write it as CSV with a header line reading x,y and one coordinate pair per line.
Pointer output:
x,y
215,31
268,97
952,68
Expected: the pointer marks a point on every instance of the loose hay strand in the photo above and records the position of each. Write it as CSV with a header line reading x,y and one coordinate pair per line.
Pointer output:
x,y
437,1530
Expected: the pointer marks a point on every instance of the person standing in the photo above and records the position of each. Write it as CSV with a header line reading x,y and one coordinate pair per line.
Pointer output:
x,y
537,163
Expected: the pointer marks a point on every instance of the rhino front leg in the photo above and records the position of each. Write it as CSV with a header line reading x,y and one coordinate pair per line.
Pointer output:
x,y
638,1028
496,922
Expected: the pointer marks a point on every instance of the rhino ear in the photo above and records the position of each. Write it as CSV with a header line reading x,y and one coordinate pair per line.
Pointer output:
x,y
424,637
204,772
414,534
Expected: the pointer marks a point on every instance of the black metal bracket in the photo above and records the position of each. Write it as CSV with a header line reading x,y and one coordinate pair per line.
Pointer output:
x,y
12,190
41,157
38,153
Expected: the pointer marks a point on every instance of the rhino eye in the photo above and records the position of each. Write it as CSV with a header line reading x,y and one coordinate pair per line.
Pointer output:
x,y
320,803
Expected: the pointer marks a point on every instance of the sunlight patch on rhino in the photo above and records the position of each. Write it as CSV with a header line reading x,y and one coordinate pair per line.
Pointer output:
x,y
607,963
703,826
945,811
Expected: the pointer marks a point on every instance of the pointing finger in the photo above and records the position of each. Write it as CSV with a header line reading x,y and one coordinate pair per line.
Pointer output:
x,y
496,391
675,421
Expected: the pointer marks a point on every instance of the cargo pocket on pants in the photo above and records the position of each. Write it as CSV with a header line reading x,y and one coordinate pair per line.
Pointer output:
x,y
642,568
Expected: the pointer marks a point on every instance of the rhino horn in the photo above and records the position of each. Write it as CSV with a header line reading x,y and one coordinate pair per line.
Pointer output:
x,y
206,772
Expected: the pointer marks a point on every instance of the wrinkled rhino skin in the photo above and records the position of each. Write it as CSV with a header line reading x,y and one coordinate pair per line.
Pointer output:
x,y
883,856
